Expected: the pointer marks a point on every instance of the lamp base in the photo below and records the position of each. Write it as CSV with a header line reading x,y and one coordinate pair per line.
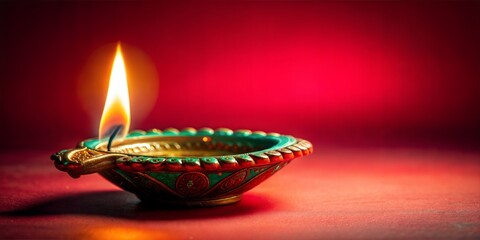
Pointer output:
x,y
192,202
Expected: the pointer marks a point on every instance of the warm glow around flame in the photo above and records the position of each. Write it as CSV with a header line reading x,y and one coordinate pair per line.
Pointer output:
x,y
117,105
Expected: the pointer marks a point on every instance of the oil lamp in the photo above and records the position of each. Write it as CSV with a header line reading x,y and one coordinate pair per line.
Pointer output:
x,y
187,167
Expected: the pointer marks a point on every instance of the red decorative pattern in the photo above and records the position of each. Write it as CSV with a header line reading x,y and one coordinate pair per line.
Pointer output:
x,y
234,180
192,184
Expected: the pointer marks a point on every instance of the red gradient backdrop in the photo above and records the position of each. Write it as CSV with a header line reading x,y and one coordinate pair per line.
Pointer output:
x,y
329,71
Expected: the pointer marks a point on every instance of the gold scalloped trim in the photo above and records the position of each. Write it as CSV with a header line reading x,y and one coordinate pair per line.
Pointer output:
x,y
228,162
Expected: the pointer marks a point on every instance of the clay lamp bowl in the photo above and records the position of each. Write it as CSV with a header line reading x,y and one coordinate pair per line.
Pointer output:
x,y
189,167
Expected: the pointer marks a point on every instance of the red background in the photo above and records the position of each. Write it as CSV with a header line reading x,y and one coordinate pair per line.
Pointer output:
x,y
356,72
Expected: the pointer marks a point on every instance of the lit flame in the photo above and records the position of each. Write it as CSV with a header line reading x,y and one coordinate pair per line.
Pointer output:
x,y
116,111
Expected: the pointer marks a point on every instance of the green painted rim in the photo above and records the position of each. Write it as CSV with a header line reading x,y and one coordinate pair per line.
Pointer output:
x,y
275,141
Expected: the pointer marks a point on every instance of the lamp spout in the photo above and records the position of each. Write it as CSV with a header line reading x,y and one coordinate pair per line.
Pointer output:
x,y
81,161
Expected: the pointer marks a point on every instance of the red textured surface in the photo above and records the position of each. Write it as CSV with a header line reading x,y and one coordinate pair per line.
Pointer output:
x,y
334,193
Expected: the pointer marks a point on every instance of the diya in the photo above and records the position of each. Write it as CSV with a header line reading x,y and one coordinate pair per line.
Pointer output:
x,y
190,167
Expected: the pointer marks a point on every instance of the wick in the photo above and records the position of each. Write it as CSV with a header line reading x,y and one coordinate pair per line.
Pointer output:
x,y
115,131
